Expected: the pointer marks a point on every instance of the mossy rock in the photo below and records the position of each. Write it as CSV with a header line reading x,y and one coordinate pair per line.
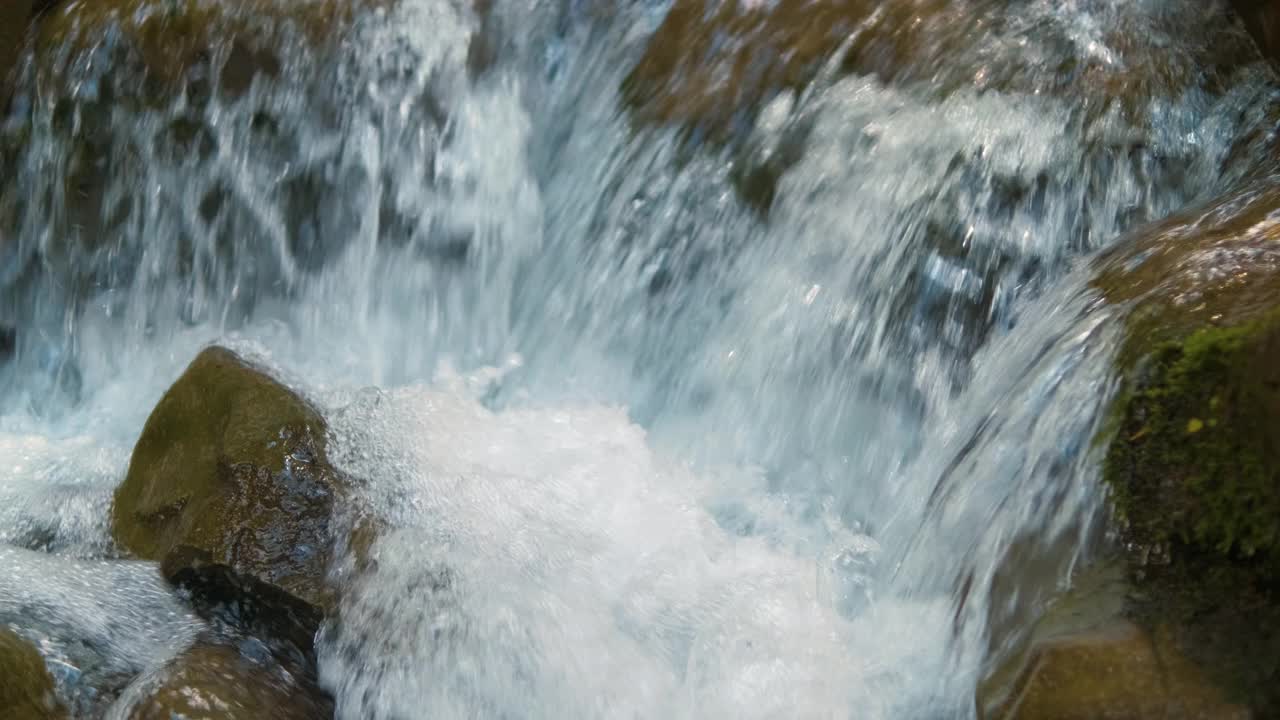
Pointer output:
x,y
1193,439
217,681
26,690
1198,458
1195,456
230,470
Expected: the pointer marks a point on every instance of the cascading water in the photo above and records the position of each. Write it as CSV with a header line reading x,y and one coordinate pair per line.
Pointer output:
x,y
642,450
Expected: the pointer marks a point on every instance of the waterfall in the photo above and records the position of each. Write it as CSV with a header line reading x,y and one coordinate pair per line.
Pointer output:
x,y
678,456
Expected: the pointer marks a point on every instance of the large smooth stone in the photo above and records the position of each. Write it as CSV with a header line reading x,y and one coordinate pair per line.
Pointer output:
x,y
230,476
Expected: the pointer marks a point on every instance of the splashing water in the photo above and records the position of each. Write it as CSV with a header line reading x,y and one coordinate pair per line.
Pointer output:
x,y
640,450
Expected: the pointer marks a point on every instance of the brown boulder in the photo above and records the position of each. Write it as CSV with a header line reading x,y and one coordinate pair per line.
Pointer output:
x,y
229,479
26,690
1114,671
1193,435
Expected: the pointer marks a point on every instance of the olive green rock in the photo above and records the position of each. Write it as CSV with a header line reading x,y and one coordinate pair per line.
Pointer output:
x,y
26,690
1195,453
218,682
13,25
230,470
1192,459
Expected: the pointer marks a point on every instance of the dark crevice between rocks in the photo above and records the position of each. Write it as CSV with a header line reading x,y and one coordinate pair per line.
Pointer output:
x,y
245,605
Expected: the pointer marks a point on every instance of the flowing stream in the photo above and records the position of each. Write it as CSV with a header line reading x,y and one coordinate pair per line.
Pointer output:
x,y
680,458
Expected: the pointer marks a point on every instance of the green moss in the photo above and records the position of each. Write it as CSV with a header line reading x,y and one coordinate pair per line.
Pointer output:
x,y
1195,459
1193,438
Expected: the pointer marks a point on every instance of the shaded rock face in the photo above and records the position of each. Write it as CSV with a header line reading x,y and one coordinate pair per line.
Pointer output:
x,y
1192,464
223,681
177,41
229,479
199,53
1085,659
13,22
1262,18
26,690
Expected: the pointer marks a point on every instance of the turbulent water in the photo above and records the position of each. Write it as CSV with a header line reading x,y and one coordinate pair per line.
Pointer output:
x,y
679,457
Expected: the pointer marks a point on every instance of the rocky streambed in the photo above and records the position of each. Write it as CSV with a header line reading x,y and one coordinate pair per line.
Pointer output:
x,y
225,556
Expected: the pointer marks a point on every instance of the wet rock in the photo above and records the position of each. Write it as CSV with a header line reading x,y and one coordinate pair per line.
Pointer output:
x,y
710,62
1113,671
712,67
26,689
229,483
1195,458
187,40
1262,18
1084,659
224,681
1193,454
13,24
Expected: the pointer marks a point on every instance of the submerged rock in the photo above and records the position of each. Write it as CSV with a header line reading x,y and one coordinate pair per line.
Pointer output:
x,y
221,681
711,68
26,689
171,40
1193,460
229,483
711,61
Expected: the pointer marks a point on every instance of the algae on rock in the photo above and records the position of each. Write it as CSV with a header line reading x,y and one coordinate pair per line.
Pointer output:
x,y
216,681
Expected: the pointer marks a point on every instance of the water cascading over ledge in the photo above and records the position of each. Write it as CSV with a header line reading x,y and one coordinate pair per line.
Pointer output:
x,y
720,378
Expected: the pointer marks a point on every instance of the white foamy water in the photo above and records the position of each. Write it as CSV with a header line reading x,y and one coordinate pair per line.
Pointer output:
x,y
637,450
